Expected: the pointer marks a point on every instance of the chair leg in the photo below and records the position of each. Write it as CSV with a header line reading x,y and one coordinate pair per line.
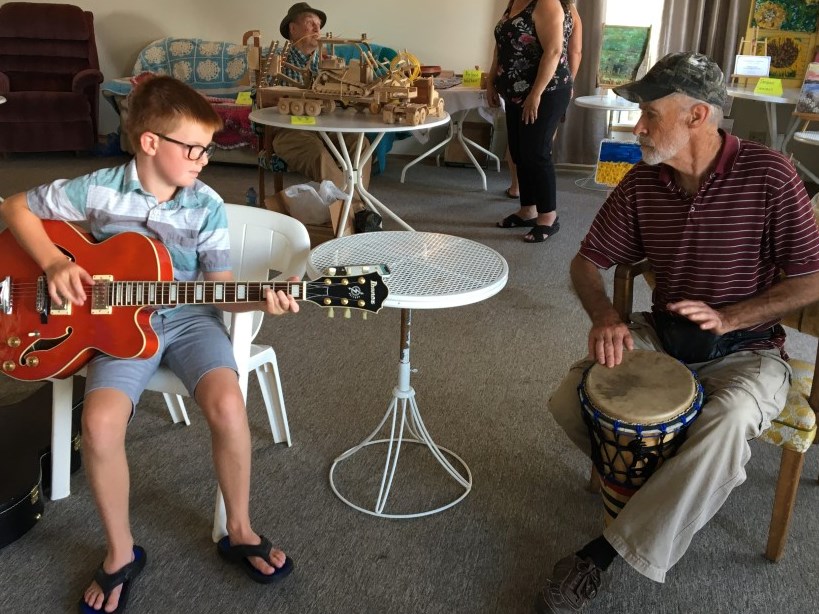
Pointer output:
x,y
61,395
219,517
270,383
176,407
790,470
594,481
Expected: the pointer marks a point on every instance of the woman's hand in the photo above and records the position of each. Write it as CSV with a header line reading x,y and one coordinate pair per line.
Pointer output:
x,y
492,94
530,106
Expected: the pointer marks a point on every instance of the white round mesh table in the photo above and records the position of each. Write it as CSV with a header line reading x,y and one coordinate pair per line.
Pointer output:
x,y
810,137
426,271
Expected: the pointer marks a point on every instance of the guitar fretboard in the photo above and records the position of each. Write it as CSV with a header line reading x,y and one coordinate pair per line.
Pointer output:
x,y
171,293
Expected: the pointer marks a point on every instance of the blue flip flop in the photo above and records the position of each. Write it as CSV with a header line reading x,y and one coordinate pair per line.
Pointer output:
x,y
109,581
238,555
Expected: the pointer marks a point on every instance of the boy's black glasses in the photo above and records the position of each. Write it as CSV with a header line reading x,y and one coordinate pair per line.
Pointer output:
x,y
195,152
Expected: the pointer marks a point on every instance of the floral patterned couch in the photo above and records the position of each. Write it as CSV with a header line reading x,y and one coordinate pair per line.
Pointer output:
x,y
217,69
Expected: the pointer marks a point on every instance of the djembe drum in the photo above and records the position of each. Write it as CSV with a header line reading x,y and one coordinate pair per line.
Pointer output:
x,y
637,414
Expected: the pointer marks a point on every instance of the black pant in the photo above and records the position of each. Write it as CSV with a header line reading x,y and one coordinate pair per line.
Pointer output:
x,y
530,146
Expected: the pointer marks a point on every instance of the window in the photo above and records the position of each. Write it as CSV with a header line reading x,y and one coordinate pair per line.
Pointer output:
x,y
636,13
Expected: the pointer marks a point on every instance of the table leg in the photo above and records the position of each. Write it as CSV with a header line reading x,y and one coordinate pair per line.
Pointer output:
x,y
793,129
355,178
773,129
456,132
403,410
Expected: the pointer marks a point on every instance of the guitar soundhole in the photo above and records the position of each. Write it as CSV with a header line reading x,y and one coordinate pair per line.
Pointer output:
x,y
46,344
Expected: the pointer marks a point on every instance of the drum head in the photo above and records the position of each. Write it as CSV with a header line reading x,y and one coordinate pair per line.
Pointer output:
x,y
646,388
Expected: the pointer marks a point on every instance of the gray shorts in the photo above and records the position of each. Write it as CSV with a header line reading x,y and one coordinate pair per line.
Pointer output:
x,y
192,341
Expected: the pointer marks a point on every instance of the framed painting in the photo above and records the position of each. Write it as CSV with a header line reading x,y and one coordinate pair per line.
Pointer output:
x,y
808,102
787,15
622,52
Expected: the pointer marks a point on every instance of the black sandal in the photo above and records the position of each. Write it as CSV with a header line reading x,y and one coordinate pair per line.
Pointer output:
x,y
540,233
239,554
109,581
515,221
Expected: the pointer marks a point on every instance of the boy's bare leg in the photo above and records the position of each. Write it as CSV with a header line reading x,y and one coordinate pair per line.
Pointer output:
x,y
104,420
219,396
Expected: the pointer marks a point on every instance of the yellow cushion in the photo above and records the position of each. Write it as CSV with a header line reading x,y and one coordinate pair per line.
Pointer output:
x,y
795,427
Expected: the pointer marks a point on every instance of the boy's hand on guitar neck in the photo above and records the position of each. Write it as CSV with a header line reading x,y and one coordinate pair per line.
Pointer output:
x,y
278,303
65,282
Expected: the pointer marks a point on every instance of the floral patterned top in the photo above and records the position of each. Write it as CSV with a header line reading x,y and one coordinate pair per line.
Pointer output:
x,y
519,53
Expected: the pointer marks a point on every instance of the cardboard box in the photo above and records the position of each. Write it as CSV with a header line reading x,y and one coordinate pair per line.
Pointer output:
x,y
318,233
481,133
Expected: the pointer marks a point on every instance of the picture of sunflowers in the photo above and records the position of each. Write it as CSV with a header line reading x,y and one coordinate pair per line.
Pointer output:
x,y
790,53
790,15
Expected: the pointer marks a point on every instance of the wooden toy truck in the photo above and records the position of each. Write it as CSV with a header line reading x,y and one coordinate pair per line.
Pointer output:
x,y
389,88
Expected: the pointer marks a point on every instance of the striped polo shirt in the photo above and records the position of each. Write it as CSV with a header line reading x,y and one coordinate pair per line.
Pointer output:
x,y
750,220
192,225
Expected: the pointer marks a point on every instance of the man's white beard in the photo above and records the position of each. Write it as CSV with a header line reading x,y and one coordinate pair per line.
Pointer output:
x,y
654,154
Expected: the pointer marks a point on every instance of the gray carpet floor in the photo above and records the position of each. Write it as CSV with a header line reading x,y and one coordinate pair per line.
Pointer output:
x,y
483,375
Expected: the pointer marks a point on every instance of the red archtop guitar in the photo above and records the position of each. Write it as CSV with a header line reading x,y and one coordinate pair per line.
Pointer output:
x,y
133,276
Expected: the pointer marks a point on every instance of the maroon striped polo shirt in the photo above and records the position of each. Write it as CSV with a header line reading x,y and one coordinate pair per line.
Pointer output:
x,y
750,219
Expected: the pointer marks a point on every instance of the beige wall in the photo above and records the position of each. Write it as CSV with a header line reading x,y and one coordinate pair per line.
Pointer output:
x,y
455,34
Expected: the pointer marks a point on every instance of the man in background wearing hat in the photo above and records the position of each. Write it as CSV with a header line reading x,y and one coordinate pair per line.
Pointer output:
x,y
718,219
304,151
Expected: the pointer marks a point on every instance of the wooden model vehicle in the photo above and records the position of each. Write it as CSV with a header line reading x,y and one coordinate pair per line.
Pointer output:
x,y
390,88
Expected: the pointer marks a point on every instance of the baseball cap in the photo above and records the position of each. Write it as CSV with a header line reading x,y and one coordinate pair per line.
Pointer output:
x,y
686,72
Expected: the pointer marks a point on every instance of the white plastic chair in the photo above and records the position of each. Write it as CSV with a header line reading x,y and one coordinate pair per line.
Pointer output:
x,y
264,245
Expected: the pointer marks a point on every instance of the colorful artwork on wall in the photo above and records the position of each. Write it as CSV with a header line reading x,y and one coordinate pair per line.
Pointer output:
x,y
809,95
614,160
786,30
790,52
622,51
788,15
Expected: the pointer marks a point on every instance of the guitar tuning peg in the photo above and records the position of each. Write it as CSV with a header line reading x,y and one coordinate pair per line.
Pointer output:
x,y
363,315
331,313
347,313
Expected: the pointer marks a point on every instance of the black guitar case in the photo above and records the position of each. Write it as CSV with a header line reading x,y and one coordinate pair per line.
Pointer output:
x,y
25,458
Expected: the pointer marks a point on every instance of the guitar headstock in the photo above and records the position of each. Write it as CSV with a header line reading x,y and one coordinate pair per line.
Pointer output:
x,y
365,292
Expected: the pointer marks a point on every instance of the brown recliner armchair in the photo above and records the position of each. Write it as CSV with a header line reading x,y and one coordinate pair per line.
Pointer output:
x,y
49,76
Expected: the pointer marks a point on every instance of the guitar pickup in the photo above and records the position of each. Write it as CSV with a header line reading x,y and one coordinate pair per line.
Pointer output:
x,y
351,270
5,296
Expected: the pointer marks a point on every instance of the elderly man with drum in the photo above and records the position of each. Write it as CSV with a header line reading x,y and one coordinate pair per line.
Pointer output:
x,y
719,219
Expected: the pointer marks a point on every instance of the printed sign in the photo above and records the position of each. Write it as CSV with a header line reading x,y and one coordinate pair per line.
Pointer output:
x,y
752,66
769,87
244,98
472,78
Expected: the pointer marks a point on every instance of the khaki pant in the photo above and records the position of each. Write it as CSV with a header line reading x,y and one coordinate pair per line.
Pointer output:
x,y
306,153
744,392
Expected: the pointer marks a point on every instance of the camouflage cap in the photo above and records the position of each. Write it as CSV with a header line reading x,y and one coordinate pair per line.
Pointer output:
x,y
693,74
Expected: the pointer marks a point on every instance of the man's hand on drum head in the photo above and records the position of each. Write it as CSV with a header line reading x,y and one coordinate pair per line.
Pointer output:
x,y
607,340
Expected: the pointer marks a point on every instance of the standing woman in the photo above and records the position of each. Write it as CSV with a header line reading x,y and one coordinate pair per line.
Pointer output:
x,y
537,54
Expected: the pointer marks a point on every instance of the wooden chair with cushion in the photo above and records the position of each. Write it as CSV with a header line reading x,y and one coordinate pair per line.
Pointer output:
x,y
794,430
